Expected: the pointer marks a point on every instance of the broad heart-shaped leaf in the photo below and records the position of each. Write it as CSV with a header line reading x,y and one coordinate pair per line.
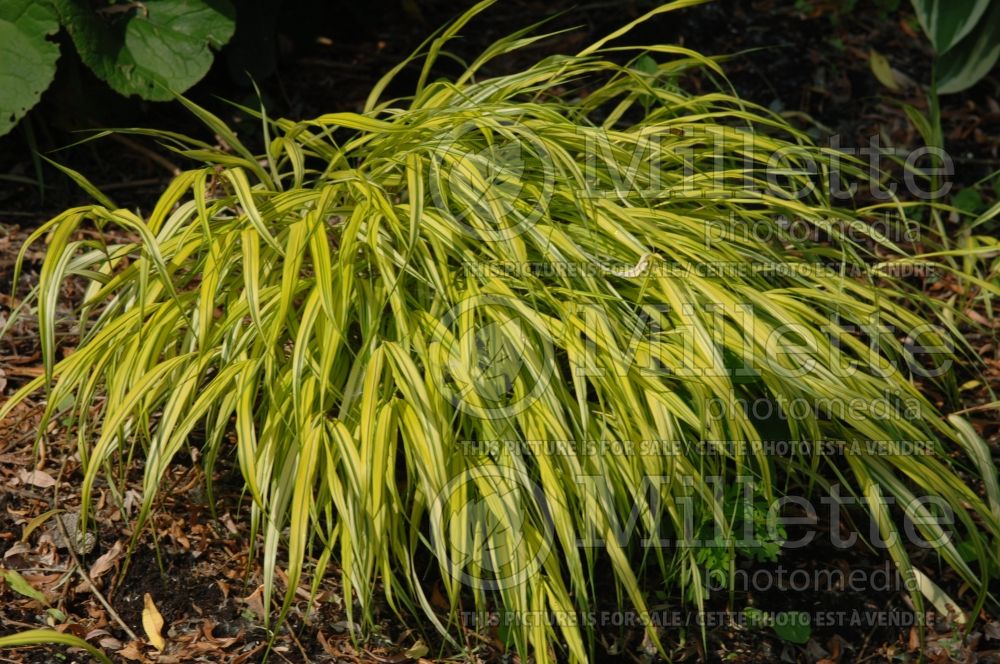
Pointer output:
x,y
971,59
27,58
946,22
155,51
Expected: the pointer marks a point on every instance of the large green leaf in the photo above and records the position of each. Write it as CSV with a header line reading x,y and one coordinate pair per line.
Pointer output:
x,y
946,22
154,52
27,58
970,60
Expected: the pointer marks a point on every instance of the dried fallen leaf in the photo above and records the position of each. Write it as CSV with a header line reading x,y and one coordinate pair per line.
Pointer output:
x,y
817,653
132,499
38,478
438,599
152,623
132,652
228,522
240,659
105,639
255,602
17,549
106,562
882,70
980,319
207,629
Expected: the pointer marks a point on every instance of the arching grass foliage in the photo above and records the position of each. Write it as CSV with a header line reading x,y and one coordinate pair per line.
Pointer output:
x,y
465,336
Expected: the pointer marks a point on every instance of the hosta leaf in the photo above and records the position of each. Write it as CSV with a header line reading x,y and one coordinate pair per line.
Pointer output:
x,y
154,52
970,60
27,57
946,22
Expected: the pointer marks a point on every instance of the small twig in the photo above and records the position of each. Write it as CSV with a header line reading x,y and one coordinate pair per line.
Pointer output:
x,y
974,409
295,640
279,654
70,544
378,658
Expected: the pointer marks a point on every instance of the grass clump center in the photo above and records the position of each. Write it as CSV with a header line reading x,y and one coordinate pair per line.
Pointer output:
x,y
464,337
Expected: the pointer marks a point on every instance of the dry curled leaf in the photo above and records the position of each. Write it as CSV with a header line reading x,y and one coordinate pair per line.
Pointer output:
x,y
131,652
255,602
106,562
105,639
38,478
152,623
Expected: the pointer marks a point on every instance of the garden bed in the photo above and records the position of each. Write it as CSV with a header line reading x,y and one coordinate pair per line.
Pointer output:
x,y
808,59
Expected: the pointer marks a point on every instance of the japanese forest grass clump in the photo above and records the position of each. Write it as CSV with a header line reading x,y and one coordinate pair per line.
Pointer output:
x,y
455,338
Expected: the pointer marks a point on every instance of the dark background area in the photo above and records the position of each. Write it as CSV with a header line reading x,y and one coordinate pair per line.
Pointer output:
x,y
805,58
